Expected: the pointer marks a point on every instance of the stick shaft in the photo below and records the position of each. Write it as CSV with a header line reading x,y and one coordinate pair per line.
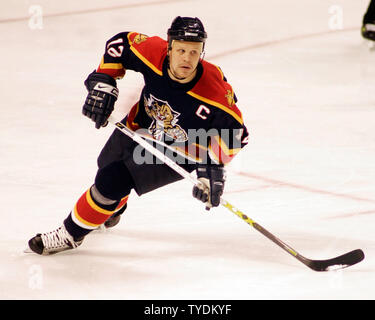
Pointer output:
x,y
317,265
161,156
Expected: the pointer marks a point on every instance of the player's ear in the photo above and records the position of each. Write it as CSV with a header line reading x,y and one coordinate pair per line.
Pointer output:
x,y
170,41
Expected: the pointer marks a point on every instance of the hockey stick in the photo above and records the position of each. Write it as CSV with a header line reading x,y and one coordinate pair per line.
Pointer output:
x,y
343,261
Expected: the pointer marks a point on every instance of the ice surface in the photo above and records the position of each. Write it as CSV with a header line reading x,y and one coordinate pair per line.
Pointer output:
x,y
306,91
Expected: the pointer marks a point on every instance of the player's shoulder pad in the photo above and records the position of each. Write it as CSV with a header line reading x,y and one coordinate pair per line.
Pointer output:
x,y
151,50
212,88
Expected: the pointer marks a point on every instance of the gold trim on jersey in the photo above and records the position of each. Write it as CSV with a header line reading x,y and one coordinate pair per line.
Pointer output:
x,y
217,104
115,66
145,61
220,151
224,147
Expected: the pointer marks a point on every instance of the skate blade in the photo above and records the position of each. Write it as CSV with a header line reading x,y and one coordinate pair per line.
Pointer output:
x,y
371,45
101,229
28,250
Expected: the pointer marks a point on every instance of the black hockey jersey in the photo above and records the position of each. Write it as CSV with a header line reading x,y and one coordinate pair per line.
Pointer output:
x,y
199,118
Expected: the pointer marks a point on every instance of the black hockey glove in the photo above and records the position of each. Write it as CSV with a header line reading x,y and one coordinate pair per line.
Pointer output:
x,y
101,98
212,178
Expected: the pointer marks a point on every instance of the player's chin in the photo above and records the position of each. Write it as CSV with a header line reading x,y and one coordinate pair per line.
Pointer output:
x,y
185,72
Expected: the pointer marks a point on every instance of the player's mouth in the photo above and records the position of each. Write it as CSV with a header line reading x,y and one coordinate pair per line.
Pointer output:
x,y
185,67
185,70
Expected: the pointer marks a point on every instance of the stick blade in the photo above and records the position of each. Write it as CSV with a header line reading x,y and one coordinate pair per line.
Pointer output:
x,y
340,262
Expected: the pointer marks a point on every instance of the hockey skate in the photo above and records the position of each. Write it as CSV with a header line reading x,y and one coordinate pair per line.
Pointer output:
x,y
53,242
368,33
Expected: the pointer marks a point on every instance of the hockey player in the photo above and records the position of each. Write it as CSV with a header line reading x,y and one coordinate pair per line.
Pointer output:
x,y
368,25
182,94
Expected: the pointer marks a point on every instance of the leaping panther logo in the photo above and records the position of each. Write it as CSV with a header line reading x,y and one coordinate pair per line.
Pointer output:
x,y
164,120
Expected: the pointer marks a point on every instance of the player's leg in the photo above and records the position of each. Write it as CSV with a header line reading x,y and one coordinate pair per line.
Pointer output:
x,y
117,148
112,185
113,182
108,196
94,207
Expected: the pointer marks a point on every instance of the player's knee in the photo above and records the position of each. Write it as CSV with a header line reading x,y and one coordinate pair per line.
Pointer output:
x,y
114,181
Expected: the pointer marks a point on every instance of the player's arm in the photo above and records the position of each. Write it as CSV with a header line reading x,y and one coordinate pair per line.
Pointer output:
x,y
101,83
223,146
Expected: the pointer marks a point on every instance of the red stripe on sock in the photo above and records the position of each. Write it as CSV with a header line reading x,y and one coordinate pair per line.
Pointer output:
x,y
88,212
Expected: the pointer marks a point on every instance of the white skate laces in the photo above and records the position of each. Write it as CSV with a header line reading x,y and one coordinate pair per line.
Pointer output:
x,y
57,239
54,241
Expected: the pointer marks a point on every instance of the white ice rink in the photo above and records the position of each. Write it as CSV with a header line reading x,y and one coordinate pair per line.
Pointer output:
x,y
304,78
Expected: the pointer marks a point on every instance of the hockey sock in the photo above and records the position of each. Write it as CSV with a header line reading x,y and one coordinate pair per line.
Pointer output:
x,y
109,194
89,213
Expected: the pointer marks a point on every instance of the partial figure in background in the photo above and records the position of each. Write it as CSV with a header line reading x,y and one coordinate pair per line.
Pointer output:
x,y
368,25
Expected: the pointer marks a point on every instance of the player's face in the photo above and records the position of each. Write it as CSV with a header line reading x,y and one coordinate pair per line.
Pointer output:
x,y
184,58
